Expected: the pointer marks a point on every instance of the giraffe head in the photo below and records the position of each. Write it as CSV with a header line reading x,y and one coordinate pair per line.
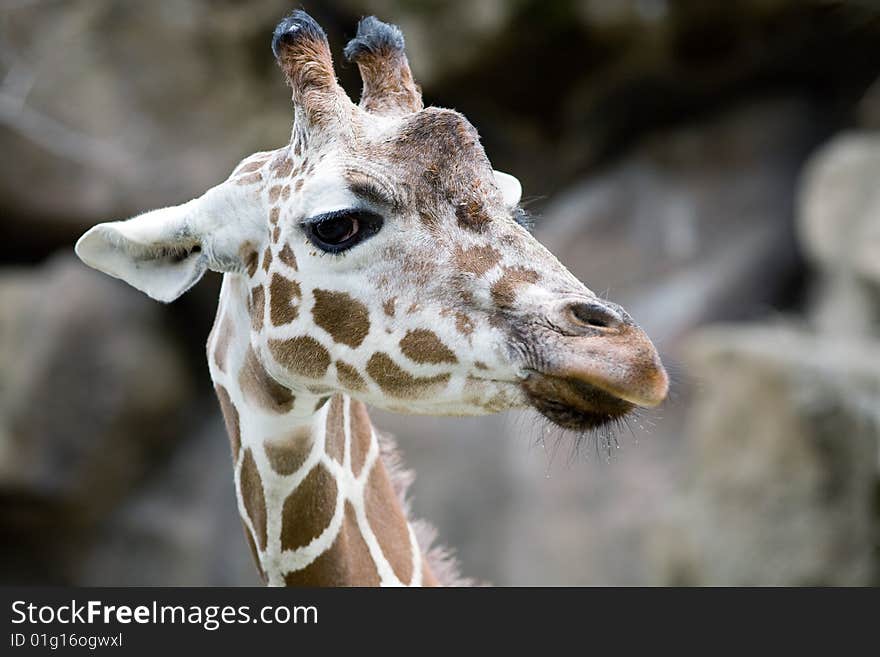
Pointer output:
x,y
379,254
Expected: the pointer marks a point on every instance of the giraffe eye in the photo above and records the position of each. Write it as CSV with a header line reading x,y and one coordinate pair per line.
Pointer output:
x,y
340,230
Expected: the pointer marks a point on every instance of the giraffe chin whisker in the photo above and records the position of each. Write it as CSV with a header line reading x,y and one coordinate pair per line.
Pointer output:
x,y
571,404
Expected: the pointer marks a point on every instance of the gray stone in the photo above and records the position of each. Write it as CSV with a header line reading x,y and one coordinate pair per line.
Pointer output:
x,y
839,227
783,441
93,392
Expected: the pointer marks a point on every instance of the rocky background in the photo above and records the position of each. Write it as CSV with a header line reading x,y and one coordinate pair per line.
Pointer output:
x,y
713,166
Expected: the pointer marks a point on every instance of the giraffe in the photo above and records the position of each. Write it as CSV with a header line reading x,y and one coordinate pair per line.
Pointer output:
x,y
376,259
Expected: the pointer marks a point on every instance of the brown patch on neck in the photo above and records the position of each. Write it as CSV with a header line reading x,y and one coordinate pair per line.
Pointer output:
x,y
304,355
283,293
254,552
504,289
388,306
273,215
258,307
334,435
388,522
261,389
308,509
251,260
267,258
230,418
287,455
397,382
343,317
347,563
361,435
252,495
349,378
423,346
477,260
221,347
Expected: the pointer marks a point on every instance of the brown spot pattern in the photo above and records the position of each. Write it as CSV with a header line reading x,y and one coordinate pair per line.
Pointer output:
x,y
472,215
281,166
221,347
308,509
252,495
249,179
250,167
388,523
261,389
230,418
346,563
251,260
287,455
274,193
286,256
361,435
253,548
397,382
343,317
464,324
477,260
388,306
334,435
504,289
423,346
267,258
258,307
273,215
349,377
283,294
304,355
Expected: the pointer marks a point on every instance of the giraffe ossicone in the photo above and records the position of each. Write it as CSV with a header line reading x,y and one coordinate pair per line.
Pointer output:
x,y
375,259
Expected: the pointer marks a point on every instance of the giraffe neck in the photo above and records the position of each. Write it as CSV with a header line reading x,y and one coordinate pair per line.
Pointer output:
x,y
315,496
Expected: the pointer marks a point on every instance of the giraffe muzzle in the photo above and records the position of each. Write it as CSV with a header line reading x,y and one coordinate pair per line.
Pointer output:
x,y
597,366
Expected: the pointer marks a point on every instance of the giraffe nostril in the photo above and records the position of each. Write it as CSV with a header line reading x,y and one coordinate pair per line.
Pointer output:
x,y
595,315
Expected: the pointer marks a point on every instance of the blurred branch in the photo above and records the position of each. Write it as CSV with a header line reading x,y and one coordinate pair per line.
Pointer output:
x,y
50,134
57,138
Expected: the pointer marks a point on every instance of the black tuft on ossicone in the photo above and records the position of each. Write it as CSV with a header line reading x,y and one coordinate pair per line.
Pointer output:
x,y
294,27
373,36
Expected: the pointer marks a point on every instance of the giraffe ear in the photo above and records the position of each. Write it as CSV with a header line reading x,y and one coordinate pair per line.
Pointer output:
x,y
511,189
153,252
165,252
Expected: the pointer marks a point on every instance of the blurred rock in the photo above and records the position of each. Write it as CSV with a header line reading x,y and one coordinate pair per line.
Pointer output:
x,y
840,206
839,226
784,437
93,392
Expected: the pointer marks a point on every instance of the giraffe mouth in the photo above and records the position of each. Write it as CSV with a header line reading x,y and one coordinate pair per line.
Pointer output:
x,y
573,404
